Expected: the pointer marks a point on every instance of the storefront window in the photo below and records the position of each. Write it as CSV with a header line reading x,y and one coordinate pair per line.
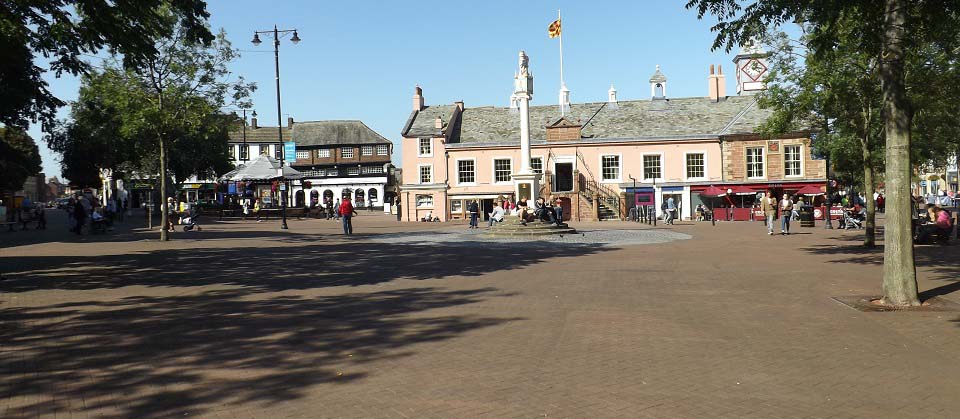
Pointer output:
x,y
456,206
424,201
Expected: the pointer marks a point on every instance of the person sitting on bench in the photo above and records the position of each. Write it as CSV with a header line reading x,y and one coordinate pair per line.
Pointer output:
x,y
544,212
938,225
497,215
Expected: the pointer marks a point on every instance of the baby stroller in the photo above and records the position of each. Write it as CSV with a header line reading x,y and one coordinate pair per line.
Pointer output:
x,y
190,221
852,220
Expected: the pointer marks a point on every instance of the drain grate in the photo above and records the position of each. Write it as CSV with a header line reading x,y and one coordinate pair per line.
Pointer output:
x,y
865,303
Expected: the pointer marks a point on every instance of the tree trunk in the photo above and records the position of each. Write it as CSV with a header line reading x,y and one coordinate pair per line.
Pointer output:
x,y
899,272
164,236
870,225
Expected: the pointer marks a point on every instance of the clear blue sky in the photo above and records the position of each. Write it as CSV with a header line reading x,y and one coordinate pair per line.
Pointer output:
x,y
361,59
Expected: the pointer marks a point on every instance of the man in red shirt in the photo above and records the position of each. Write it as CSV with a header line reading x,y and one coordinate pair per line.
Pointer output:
x,y
347,212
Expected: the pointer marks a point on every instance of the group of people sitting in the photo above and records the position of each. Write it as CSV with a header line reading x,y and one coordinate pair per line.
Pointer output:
x,y
935,225
542,210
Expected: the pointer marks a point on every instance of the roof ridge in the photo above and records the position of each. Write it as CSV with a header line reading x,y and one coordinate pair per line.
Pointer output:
x,y
736,118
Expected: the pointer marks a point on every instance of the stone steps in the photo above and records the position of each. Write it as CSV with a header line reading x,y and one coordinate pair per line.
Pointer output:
x,y
513,228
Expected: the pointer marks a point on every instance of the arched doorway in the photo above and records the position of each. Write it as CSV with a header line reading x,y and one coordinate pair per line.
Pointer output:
x,y
346,194
359,202
314,198
298,199
372,195
327,197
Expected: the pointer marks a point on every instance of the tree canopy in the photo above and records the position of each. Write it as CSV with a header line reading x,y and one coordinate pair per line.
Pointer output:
x,y
20,158
62,31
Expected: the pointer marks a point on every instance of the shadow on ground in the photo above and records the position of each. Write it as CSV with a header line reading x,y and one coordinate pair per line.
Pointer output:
x,y
321,261
938,259
161,357
239,341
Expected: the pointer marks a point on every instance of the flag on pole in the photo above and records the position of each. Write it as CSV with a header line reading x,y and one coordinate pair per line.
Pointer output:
x,y
554,29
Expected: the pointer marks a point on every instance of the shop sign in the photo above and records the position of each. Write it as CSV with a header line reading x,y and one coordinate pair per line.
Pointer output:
x,y
191,186
773,146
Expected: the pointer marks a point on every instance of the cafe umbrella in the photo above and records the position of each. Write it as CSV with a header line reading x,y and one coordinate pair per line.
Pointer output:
x,y
713,192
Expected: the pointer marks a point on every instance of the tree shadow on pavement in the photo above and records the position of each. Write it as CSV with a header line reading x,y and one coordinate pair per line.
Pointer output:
x,y
176,356
325,262
939,260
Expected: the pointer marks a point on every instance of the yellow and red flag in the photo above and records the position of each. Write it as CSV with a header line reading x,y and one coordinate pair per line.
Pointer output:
x,y
554,29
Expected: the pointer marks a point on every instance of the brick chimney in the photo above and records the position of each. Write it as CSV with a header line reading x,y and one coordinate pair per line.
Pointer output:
x,y
253,122
418,99
290,122
717,84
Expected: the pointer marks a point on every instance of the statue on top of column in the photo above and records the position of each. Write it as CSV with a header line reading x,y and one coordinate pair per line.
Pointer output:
x,y
524,63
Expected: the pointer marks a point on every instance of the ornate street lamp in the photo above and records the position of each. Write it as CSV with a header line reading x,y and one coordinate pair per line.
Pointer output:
x,y
276,61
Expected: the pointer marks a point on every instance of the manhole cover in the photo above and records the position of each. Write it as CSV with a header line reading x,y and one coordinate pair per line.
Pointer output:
x,y
865,303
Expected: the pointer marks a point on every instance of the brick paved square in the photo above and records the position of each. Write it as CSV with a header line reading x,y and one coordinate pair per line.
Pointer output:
x,y
244,320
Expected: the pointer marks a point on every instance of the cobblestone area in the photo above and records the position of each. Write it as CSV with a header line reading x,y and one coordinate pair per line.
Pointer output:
x,y
611,238
244,320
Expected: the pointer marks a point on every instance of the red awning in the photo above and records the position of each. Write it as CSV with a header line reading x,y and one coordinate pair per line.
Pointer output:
x,y
742,190
713,191
810,190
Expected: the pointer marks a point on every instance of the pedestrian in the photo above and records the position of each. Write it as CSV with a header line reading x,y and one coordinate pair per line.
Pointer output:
x,y
337,208
171,213
671,207
41,216
786,213
256,209
246,207
346,213
474,210
769,206
397,201
558,209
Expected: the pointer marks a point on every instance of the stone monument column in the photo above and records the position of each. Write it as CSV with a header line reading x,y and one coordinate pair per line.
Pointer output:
x,y
526,182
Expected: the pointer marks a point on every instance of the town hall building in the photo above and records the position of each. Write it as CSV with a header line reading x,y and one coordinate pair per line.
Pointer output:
x,y
602,158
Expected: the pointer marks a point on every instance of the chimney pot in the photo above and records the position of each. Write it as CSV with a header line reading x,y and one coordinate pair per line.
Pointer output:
x,y
253,122
719,69
290,122
418,99
711,69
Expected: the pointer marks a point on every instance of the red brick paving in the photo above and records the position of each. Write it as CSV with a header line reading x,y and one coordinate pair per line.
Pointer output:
x,y
246,321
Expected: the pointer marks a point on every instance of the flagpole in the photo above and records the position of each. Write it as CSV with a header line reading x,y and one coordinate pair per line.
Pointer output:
x,y
562,84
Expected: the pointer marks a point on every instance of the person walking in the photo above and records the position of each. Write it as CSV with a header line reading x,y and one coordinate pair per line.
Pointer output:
x,y
786,213
80,214
671,207
474,210
256,209
346,213
337,209
769,206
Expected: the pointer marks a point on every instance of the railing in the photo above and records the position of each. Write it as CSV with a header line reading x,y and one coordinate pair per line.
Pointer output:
x,y
607,197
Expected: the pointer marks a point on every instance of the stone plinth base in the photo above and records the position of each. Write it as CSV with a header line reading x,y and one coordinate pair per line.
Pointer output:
x,y
511,227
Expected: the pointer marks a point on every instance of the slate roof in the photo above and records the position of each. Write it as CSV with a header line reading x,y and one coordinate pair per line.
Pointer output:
x,y
694,118
421,124
259,135
320,133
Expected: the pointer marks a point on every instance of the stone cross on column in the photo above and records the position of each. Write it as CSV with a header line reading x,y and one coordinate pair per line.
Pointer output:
x,y
526,182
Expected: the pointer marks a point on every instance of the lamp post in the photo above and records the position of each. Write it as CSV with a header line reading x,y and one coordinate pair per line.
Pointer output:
x,y
636,211
276,63
829,199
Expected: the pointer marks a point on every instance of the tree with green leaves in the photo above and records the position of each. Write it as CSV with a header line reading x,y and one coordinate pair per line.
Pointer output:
x,y
163,116
837,93
63,31
901,27
21,158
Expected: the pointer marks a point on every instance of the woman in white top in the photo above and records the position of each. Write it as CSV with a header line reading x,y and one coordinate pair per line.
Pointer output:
x,y
786,212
